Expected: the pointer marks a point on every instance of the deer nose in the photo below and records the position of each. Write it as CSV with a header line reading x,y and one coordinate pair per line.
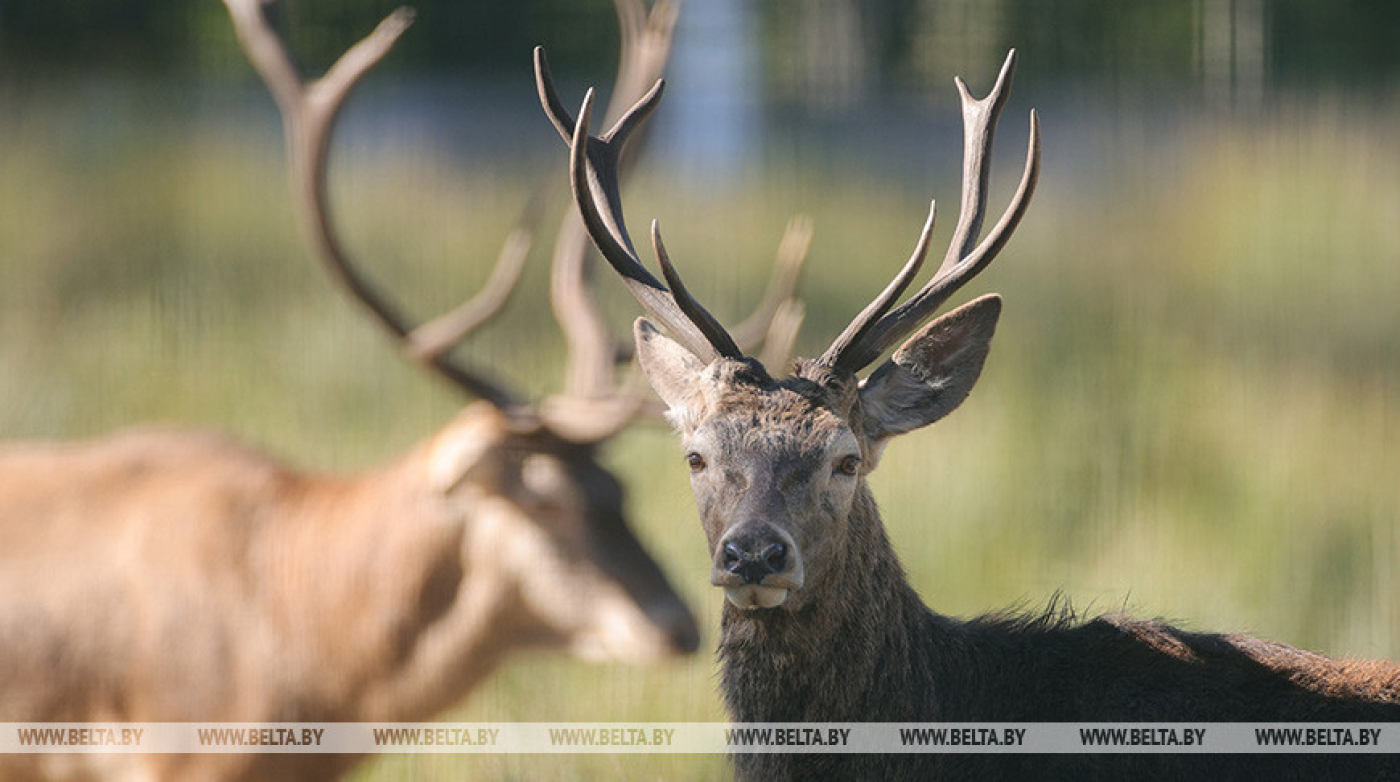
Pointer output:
x,y
685,637
756,562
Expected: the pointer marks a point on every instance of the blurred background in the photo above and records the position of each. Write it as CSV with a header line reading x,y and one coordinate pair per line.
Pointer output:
x,y
1192,410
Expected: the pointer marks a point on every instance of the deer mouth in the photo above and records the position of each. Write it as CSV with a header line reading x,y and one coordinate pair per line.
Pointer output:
x,y
622,631
770,593
753,597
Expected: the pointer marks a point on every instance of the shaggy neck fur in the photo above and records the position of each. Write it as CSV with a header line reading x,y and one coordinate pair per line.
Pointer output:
x,y
864,648
854,651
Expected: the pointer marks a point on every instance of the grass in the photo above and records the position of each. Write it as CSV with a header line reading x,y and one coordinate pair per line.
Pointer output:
x,y
1191,409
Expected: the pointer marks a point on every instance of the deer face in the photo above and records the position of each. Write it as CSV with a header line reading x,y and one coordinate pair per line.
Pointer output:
x,y
774,470
776,466
545,521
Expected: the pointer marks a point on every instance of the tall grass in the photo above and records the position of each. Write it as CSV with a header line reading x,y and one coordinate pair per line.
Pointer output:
x,y
1192,409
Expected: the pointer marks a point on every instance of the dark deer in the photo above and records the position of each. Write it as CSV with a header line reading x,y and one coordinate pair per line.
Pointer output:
x,y
820,623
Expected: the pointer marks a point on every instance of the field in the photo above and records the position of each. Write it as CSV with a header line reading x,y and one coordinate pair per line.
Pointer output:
x,y
1192,410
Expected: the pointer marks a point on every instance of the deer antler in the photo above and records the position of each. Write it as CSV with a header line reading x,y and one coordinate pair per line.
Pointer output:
x,y
877,327
309,112
593,170
758,328
782,333
593,351
594,173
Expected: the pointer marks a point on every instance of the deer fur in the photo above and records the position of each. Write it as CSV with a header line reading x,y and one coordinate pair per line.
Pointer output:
x,y
165,576
839,635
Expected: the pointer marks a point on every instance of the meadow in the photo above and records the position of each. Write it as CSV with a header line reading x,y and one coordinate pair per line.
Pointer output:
x,y
1192,409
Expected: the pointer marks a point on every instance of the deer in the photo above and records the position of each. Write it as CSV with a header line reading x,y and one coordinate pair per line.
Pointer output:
x,y
162,575
819,621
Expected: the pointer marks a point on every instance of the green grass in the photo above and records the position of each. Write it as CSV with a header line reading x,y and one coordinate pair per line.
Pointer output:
x,y
1192,409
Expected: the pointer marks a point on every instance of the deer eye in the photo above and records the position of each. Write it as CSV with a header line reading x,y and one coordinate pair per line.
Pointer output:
x,y
850,465
696,462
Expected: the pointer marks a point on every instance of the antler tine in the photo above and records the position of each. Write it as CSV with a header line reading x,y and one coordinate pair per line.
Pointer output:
x,y
960,265
697,314
979,125
309,111
592,350
554,108
616,137
593,170
907,316
782,333
846,352
770,325
645,49
787,268
439,335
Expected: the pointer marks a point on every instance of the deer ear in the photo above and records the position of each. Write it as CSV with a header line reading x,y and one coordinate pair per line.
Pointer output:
x,y
932,373
671,369
460,453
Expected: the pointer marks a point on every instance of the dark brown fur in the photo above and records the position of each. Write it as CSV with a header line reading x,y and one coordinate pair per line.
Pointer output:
x,y
863,647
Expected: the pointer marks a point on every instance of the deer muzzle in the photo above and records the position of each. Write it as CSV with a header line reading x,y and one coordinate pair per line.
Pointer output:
x,y
757,566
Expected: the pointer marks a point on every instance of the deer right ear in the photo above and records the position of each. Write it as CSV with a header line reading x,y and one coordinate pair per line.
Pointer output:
x,y
672,370
931,373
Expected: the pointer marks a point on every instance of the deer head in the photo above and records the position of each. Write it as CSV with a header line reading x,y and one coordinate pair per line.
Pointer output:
x,y
526,473
778,466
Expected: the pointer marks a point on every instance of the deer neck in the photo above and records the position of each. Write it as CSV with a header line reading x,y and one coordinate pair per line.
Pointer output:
x,y
859,634
389,616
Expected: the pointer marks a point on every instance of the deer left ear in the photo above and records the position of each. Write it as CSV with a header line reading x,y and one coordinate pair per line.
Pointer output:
x,y
463,451
932,373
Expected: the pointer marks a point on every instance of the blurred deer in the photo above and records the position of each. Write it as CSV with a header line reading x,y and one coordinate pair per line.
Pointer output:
x,y
820,623
166,576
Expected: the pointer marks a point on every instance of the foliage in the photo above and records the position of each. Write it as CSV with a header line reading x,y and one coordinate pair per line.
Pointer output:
x,y
1344,41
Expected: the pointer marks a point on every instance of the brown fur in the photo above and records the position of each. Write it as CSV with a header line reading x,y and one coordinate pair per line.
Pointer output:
x,y
159,576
